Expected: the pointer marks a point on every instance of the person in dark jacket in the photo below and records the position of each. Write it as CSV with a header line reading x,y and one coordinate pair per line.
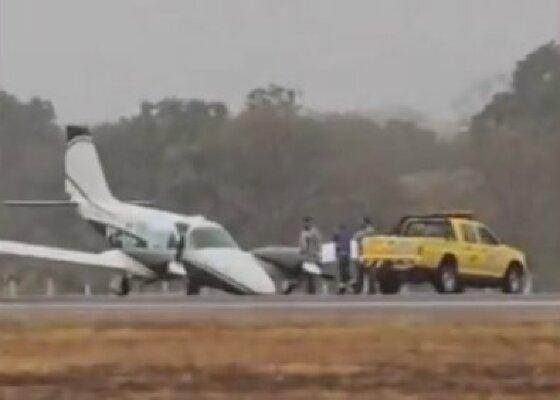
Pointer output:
x,y
365,230
342,240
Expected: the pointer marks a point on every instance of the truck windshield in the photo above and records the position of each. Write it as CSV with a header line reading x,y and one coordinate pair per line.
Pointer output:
x,y
211,237
429,228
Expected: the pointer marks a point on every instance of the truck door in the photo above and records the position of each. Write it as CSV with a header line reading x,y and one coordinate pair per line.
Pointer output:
x,y
492,262
469,253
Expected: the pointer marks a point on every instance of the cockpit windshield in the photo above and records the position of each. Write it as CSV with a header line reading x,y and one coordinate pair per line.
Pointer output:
x,y
211,237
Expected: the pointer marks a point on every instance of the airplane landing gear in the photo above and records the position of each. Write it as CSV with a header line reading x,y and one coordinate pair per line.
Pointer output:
x,y
191,288
120,285
310,284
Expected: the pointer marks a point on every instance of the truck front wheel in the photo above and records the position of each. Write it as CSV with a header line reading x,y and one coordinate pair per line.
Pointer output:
x,y
388,279
513,281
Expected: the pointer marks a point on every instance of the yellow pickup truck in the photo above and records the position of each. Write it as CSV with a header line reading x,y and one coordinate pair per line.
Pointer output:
x,y
450,250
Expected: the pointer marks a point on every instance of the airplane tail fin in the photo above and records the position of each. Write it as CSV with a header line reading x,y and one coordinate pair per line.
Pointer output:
x,y
84,177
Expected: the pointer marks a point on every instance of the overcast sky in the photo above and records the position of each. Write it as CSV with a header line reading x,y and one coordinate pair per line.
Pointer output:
x,y
97,59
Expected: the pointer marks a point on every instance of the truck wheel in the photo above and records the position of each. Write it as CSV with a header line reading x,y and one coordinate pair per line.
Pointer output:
x,y
513,281
389,280
447,278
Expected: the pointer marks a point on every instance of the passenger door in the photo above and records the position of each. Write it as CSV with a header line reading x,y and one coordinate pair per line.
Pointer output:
x,y
492,262
469,251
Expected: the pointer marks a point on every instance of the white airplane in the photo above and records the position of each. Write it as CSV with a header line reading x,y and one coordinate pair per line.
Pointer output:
x,y
147,244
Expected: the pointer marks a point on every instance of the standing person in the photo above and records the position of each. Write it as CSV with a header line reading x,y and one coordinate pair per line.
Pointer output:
x,y
342,240
366,229
310,245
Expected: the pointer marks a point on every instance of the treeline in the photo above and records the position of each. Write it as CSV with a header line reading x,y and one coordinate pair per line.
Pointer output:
x,y
259,171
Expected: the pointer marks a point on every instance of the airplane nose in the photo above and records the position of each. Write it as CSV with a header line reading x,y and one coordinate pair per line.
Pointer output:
x,y
254,277
240,269
265,285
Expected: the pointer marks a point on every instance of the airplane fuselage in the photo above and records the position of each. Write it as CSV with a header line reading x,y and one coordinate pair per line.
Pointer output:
x,y
208,256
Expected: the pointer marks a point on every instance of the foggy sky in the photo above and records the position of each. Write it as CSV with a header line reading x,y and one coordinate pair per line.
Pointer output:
x,y
96,60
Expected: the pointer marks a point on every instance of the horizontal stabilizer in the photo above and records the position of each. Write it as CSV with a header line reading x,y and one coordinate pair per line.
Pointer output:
x,y
40,203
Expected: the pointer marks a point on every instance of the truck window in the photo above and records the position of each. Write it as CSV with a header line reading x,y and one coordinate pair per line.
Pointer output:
x,y
486,236
468,233
430,228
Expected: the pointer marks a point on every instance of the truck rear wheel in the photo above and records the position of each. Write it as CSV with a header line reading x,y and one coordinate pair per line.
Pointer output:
x,y
447,277
388,279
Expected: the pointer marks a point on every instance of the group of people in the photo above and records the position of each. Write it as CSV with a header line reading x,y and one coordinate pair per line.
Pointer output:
x,y
311,242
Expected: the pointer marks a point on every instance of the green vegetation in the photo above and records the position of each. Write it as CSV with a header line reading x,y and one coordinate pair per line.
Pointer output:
x,y
260,170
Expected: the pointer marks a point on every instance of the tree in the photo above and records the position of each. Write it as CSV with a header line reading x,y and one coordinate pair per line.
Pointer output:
x,y
274,99
532,105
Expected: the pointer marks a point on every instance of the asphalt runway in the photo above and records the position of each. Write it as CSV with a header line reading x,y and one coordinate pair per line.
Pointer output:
x,y
297,307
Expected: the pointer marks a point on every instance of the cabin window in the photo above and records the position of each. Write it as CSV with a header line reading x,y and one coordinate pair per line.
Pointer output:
x,y
127,240
211,237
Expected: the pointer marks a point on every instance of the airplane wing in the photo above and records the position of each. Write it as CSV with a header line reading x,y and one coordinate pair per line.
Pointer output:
x,y
63,203
40,203
288,259
111,260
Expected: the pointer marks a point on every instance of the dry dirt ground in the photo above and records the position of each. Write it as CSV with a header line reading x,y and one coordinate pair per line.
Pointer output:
x,y
381,359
